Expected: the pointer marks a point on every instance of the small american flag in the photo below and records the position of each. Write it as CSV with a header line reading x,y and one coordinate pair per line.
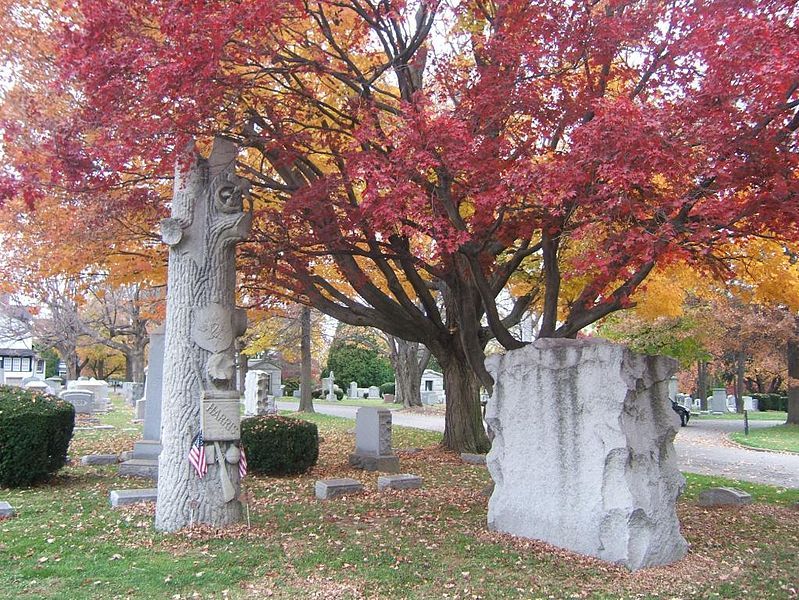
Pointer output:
x,y
242,463
197,455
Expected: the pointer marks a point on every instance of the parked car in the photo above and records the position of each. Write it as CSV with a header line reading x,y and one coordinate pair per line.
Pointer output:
x,y
682,412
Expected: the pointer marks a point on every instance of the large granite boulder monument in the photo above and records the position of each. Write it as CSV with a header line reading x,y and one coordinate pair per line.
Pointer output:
x,y
582,455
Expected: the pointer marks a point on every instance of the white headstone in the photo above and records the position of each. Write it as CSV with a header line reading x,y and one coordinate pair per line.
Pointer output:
x,y
82,400
352,392
256,392
582,455
718,403
374,392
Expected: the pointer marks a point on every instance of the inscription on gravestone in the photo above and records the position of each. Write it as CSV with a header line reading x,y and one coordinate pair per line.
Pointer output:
x,y
220,416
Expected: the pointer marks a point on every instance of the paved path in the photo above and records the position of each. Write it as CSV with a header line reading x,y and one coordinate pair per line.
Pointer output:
x,y
702,447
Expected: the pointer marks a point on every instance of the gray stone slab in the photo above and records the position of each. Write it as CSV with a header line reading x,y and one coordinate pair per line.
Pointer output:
x,y
333,488
123,497
383,464
153,386
6,510
403,481
473,459
139,467
147,449
723,496
99,459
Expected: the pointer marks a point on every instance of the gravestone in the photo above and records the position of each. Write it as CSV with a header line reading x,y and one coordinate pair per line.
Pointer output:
x,y
750,404
723,496
327,489
405,481
38,384
582,455
374,392
256,394
82,400
6,510
124,497
718,402
100,389
208,220
143,461
331,386
352,392
55,384
373,450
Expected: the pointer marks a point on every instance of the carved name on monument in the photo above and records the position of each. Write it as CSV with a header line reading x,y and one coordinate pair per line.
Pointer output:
x,y
220,416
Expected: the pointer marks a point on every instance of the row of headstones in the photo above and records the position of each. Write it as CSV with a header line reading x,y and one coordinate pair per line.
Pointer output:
x,y
353,391
87,396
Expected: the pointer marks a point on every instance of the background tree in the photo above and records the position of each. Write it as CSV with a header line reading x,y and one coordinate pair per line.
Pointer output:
x,y
602,139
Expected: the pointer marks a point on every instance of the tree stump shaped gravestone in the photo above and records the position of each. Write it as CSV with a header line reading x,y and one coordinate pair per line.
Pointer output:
x,y
202,323
582,455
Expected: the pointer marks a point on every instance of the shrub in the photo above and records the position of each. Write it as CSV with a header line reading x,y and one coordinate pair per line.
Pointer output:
x,y
278,445
771,401
291,385
388,388
339,393
316,394
35,430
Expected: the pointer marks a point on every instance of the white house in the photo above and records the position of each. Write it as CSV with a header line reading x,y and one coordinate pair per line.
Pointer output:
x,y
18,361
432,387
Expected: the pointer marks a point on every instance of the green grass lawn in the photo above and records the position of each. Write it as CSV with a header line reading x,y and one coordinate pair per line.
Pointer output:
x,y
66,542
784,438
766,415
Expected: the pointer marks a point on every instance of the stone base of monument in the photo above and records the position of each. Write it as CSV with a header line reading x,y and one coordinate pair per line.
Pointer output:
x,y
139,467
382,464
123,497
582,455
143,461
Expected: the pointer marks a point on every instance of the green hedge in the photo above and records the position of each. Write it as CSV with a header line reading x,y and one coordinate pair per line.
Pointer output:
x,y
35,430
290,385
278,445
388,388
771,402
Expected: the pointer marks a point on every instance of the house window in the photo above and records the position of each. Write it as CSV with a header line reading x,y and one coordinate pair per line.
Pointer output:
x,y
16,364
26,363
40,366
2,363
428,385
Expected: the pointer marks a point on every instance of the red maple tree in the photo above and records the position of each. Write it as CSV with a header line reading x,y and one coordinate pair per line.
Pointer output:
x,y
408,157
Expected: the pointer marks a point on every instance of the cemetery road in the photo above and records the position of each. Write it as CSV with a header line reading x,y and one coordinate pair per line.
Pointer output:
x,y
702,447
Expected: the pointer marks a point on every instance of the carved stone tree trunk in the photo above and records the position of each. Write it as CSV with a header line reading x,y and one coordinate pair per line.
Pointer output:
x,y
202,324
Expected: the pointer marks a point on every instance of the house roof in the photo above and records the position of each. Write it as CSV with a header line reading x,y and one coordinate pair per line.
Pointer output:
x,y
16,352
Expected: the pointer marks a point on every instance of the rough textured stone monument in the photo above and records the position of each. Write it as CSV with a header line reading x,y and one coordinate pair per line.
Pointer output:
x,y
202,323
582,455
373,450
256,394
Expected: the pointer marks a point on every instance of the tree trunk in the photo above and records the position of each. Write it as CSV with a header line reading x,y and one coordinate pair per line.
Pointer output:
x,y
306,400
202,325
463,426
701,384
409,360
740,359
134,365
793,382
